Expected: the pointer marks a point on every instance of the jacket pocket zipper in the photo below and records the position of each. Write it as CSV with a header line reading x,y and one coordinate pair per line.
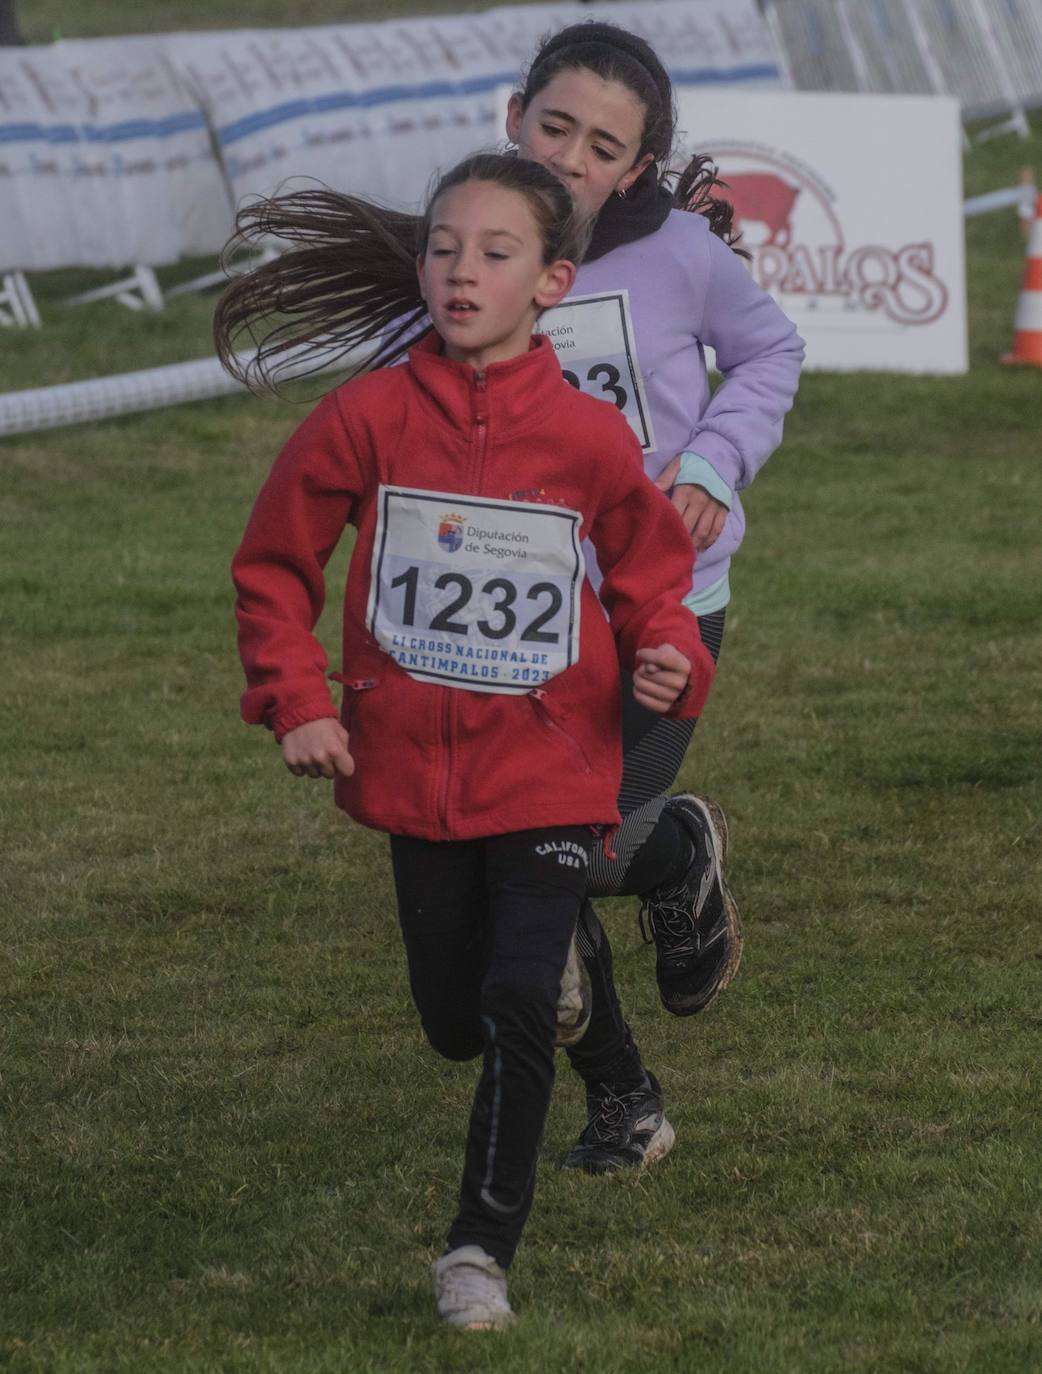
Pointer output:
x,y
538,699
352,687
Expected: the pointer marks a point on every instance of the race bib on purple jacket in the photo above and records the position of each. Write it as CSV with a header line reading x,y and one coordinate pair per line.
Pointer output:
x,y
595,345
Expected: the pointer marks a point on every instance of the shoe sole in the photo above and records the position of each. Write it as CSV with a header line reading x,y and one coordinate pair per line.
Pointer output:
x,y
657,1148
735,936
483,1323
718,821
659,1145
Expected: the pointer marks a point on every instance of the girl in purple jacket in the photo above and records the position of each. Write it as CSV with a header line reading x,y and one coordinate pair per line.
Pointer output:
x,y
656,285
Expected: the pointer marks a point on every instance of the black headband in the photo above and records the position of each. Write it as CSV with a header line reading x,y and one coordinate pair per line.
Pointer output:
x,y
560,44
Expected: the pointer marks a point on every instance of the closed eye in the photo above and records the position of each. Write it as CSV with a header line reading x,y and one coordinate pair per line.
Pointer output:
x,y
602,154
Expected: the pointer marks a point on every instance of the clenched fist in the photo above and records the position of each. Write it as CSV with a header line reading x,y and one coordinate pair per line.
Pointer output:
x,y
317,749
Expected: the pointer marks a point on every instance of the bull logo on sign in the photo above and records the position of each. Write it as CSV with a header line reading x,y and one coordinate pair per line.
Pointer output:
x,y
762,198
791,223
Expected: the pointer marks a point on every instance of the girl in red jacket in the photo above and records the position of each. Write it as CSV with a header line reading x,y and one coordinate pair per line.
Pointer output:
x,y
480,717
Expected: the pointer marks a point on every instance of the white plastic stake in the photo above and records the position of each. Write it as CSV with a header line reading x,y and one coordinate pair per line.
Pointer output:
x,y
17,307
140,291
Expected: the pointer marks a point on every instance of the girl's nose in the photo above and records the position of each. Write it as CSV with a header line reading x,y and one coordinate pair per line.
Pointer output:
x,y
567,160
463,269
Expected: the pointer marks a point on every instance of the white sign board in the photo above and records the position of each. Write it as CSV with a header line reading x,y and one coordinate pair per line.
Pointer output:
x,y
852,208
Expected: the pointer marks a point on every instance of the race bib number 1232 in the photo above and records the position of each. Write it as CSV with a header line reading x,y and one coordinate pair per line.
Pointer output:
x,y
475,593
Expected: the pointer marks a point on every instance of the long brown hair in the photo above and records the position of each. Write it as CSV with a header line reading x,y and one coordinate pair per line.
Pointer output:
x,y
348,279
615,54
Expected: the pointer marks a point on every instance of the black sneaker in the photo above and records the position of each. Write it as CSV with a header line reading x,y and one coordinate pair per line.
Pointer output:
x,y
624,1130
696,927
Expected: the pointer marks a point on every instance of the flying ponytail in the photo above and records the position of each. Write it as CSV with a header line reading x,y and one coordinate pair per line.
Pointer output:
x,y
346,289
346,279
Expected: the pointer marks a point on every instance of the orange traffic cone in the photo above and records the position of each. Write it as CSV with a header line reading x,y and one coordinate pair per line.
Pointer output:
x,y
1027,337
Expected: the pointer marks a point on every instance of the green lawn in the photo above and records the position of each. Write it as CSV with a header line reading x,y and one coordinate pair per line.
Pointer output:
x,y
223,1144
42,20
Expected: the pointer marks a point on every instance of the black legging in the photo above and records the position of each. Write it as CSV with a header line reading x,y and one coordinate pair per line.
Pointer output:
x,y
645,848
653,751
487,924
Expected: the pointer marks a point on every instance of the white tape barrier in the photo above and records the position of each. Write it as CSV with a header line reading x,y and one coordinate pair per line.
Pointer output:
x,y
1022,196
103,398
50,407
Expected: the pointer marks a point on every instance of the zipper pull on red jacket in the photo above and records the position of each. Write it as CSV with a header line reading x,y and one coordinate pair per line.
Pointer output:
x,y
480,399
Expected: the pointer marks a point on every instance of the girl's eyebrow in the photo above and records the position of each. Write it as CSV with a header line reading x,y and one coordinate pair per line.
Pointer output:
x,y
488,233
597,133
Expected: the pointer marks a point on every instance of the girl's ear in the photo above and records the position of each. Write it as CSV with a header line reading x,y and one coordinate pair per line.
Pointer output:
x,y
554,284
421,274
635,171
515,113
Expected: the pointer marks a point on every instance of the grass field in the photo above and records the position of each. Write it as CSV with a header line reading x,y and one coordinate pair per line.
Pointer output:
x,y
42,20
223,1145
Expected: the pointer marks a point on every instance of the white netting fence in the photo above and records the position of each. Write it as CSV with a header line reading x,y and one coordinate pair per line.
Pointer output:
x,y
987,53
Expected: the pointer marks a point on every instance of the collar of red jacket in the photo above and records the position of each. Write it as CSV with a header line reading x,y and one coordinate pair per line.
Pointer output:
x,y
511,396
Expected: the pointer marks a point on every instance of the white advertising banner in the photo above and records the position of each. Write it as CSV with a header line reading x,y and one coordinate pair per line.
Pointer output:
x,y
105,158
135,150
851,206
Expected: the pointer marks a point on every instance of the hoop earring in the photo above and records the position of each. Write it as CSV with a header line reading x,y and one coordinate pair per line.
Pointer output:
x,y
621,194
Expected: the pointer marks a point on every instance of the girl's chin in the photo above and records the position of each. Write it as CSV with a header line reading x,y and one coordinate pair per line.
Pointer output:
x,y
583,207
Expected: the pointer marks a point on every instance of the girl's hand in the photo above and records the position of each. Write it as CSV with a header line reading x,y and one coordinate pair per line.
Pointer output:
x,y
703,515
661,677
317,749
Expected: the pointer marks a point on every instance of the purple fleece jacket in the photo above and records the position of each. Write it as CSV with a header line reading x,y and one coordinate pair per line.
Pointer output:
x,y
686,289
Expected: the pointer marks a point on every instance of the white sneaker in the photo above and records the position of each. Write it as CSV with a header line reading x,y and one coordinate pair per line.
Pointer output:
x,y
575,999
471,1290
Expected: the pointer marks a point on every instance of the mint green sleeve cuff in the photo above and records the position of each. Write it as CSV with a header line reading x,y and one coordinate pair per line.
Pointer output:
x,y
697,472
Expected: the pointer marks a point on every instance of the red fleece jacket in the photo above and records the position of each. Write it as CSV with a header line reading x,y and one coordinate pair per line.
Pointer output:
x,y
440,762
